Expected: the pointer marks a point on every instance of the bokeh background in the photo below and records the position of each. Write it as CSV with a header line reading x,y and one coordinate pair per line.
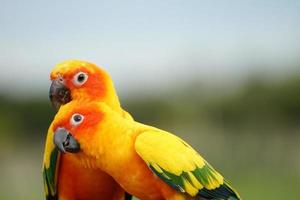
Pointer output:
x,y
223,75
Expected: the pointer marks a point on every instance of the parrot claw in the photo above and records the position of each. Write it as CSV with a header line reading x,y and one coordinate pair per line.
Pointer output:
x,y
65,142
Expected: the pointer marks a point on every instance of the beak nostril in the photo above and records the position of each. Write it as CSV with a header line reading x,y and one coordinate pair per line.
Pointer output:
x,y
60,78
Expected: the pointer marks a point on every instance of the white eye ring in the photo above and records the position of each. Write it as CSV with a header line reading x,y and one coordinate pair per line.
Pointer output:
x,y
80,78
76,119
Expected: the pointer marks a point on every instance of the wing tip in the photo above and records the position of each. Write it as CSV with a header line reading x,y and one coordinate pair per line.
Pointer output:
x,y
223,192
51,197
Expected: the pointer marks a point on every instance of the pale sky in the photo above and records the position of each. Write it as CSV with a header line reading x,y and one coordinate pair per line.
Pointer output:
x,y
146,44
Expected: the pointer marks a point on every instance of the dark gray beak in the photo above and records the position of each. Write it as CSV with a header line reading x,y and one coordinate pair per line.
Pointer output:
x,y
65,142
59,94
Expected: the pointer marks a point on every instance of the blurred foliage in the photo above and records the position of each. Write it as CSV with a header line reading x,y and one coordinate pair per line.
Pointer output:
x,y
28,119
255,104
251,132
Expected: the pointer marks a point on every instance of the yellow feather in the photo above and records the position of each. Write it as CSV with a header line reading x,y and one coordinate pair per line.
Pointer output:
x,y
49,146
156,167
189,188
67,65
46,188
213,184
194,181
167,151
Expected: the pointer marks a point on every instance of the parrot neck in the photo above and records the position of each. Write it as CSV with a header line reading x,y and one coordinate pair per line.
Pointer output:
x,y
113,144
112,150
112,100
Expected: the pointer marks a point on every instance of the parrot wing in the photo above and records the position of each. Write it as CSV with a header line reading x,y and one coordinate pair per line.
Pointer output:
x,y
181,167
50,167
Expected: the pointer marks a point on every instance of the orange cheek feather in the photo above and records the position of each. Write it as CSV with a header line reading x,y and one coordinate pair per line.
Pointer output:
x,y
91,119
95,87
86,129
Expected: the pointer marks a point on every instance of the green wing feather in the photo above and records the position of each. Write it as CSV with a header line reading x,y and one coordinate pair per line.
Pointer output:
x,y
181,167
50,168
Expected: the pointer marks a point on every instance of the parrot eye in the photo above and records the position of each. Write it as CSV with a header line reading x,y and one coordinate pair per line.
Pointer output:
x,y
76,119
80,78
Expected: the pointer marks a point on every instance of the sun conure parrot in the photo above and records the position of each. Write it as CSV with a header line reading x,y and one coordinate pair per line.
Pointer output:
x,y
147,162
64,178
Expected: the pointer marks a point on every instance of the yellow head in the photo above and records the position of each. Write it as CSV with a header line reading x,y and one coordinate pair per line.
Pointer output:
x,y
75,79
76,120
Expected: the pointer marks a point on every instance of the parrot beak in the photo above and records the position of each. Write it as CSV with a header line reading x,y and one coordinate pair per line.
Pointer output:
x,y
65,142
59,94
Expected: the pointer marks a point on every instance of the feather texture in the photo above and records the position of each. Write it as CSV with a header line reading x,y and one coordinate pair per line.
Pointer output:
x,y
180,166
50,168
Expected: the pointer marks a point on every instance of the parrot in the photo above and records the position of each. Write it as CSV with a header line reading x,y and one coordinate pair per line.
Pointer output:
x,y
64,178
149,163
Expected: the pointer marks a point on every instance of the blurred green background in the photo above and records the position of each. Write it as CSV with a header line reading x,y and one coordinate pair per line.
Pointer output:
x,y
223,76
251,135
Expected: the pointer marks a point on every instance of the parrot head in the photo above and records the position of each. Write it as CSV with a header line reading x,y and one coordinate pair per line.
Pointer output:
x,y
76,79
75,120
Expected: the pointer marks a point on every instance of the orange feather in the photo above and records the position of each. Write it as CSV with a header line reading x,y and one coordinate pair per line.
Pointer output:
x,y
75,182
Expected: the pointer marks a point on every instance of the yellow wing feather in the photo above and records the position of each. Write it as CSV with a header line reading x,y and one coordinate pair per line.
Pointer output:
x,y
50,166
49,146
168,151
176,162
